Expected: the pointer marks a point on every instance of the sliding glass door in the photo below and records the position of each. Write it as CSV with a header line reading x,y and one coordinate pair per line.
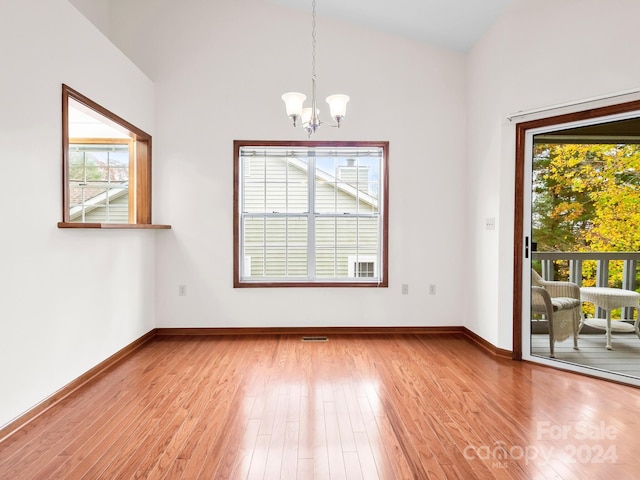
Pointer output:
x,y
579,243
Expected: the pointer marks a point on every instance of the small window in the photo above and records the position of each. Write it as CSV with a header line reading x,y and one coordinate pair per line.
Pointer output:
x,y
310,214
106,166
99,174
364,267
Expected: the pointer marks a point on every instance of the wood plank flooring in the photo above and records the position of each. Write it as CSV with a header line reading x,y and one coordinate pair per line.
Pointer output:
x,y
355,407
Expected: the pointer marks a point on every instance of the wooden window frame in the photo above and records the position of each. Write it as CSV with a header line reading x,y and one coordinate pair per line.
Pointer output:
x,y
520,250
383,280
140,169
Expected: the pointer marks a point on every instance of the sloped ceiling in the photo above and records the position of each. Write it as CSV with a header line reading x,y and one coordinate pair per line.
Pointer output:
x,y
452,24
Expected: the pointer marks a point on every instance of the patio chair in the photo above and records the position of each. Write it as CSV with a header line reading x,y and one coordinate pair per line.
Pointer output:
x,y
560,304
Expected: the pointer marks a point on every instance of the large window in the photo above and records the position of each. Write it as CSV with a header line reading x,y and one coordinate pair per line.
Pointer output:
x,y
310,214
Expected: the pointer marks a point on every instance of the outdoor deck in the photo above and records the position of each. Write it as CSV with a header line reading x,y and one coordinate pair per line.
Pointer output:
x,y
624,358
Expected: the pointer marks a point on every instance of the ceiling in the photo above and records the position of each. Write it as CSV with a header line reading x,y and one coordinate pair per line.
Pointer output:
x,y
616,132
452,24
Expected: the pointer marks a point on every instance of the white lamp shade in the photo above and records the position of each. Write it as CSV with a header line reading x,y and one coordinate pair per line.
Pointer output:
x,y
338,105
306,115
293,102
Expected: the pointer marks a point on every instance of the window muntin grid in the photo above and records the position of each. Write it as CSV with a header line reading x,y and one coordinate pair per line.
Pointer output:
x,y
99,182
344,186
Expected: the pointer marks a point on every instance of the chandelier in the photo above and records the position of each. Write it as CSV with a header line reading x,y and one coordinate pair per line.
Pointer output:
x,y
310,115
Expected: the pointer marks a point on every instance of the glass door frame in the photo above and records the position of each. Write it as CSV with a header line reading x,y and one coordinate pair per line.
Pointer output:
x,y
525,131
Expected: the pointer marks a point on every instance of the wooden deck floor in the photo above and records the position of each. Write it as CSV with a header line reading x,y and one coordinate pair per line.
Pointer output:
x,y
355,407
624,358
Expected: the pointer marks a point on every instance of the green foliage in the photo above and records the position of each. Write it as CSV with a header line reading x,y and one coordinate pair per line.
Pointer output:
x,y
83,169
560,208
587,198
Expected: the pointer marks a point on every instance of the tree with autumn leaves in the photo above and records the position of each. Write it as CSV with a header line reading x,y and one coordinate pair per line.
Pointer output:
x,y
587,198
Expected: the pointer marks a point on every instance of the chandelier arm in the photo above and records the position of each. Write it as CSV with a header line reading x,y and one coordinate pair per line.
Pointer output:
x,y
334,125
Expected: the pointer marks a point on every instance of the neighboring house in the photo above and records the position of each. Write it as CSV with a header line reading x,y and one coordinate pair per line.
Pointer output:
x,y
102,207
276,245
99,181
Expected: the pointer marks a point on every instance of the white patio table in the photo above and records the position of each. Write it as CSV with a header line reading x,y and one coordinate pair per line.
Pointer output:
x,y
609,299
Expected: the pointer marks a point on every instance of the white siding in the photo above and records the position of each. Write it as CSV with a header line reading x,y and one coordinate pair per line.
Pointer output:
x,y
284,243
118,211
273,184
279,185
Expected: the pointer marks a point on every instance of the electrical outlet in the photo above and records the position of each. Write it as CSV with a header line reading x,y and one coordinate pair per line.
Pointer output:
x,y
182,290
432,289
490,223
405,289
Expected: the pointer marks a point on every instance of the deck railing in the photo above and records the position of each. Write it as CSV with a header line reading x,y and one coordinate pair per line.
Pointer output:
x,y
575,259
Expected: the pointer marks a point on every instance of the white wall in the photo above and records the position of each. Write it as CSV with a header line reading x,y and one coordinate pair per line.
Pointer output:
x,y
539,53
96,11
220,69
68,298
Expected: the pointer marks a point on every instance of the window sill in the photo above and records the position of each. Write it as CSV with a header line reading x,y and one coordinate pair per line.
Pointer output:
x,y
121,226
381,284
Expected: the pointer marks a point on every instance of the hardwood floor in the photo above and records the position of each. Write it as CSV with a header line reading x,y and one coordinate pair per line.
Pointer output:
x,y
355,407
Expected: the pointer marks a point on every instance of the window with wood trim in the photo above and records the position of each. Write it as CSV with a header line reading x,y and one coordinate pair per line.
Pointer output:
x,y
99,173
106,166
310,213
